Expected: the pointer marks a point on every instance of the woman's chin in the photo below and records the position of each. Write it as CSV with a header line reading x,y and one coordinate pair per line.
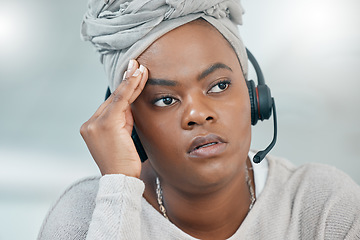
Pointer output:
x,y
213,175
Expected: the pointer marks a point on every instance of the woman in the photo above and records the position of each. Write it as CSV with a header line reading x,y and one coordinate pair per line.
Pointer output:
x,y
187,97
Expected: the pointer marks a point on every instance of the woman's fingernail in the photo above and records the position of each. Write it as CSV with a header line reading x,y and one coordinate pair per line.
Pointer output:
x,y
136,73
131,64
124,76
139,71
142,68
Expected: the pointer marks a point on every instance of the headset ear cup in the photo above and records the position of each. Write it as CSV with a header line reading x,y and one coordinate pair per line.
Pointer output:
x,y
253,102
139,148
265,102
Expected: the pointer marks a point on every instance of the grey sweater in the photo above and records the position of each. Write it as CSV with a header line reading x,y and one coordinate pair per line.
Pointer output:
x,y
309,202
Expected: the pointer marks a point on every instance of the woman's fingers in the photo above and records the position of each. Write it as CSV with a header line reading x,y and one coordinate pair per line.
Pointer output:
x,y
128,91
132,67
108,132
140,86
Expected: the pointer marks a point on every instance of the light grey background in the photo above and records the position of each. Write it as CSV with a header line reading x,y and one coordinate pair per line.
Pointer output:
x,y
51,83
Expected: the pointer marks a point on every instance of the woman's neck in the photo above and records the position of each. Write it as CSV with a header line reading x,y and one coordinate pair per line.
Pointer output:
x,y
216,215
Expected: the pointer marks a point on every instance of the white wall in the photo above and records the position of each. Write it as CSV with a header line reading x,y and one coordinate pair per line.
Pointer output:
x,y
310,55
51,83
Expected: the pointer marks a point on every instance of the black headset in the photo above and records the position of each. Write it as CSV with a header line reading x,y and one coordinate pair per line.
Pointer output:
x,y
262,104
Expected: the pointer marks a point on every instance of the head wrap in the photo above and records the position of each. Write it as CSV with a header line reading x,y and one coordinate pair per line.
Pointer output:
x,y
121,30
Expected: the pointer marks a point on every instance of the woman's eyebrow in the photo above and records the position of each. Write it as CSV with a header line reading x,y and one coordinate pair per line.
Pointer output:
x,y
172,83
161,82
212,68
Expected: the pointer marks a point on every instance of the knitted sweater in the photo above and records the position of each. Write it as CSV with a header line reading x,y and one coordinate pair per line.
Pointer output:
x,y
312,201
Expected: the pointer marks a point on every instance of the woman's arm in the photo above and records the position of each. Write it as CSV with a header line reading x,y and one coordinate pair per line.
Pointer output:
x,y
118,209
70,216
115,211
108,208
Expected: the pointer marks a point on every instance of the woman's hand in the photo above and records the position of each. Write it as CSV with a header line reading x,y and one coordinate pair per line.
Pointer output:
x,y
108,132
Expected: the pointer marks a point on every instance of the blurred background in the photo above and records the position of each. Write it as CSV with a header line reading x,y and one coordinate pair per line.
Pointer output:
x,y
51,82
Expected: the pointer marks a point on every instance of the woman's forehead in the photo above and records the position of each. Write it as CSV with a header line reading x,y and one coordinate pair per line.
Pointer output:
x,y
190,45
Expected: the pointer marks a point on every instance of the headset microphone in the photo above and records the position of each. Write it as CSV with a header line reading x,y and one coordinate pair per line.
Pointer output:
x,y
261,154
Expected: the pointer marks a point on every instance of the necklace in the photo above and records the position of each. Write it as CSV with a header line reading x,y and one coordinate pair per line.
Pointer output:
x,y
251,189
160,196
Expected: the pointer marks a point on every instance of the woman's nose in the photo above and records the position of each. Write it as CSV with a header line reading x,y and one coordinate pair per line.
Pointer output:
x,y
197,111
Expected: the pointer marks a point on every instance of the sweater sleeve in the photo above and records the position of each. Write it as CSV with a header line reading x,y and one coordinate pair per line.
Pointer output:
x,y
70,216
118,208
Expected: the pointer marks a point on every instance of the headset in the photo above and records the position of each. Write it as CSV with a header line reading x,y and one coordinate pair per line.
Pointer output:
x,y
262,105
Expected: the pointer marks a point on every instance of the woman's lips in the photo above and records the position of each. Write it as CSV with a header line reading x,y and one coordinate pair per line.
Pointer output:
x,y
206,146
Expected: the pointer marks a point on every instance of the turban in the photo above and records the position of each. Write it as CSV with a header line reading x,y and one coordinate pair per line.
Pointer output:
x,y
121,30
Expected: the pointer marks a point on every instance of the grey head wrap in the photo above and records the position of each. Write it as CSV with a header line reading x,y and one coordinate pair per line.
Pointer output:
x,y
121,30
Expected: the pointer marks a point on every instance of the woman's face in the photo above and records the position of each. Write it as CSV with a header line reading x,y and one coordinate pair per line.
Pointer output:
x,y
193,116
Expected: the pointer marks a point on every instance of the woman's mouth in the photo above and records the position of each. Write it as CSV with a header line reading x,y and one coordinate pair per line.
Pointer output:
x,y
206,146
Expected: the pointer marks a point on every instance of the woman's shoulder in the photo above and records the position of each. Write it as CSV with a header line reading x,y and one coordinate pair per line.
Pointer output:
x,y
320,195
72,212
81,188
316,175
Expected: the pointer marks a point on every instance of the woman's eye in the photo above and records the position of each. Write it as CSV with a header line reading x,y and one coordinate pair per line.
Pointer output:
x,y
164,101
219,87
